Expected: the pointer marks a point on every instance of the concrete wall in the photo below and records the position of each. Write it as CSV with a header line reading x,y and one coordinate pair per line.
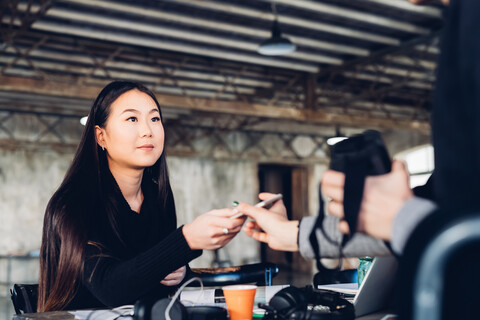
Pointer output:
x,y
209,170
212,171
200,185
28,179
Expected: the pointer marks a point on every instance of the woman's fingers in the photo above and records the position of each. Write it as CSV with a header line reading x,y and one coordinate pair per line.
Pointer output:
x,y
251,211
257,235
332,192
265,195
235,230
335,208
343,227
252,225
333,178
332,185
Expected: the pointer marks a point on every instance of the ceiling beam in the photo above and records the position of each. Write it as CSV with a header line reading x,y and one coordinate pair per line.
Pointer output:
x,y
188,35
175,46
374,19
377,56
30,13
290,20
153,42
64,89
213,25
425,10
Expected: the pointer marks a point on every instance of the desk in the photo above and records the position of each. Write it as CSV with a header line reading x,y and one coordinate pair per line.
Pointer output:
x,y
64,315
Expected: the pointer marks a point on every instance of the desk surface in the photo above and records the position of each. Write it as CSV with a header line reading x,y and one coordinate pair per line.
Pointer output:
x,y
64,315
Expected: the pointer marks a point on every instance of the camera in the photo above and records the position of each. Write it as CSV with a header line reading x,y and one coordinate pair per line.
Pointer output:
x,y
357,157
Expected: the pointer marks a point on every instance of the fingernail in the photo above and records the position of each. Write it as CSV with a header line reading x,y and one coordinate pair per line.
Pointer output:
x,y
235,210
235,203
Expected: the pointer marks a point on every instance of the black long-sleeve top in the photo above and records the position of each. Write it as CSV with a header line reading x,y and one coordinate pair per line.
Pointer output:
x,y
117,273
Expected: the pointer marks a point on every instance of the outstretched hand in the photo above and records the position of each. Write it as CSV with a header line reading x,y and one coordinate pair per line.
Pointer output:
x,y
383,196
271,226
212,230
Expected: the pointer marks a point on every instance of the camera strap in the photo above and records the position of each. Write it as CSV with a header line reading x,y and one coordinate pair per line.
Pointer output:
x,y
356,172
314,241
353,193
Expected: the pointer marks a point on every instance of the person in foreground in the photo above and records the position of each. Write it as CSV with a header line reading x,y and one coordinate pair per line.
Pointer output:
x,y
389,212
110,234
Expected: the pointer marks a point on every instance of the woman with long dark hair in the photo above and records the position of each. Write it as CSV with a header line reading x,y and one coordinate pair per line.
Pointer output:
x,y
110,235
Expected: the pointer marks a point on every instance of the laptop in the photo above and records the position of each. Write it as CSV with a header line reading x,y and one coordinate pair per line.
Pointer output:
x,y
376,291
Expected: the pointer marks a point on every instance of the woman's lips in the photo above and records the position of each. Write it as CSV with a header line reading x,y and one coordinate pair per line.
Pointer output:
x,y
146,147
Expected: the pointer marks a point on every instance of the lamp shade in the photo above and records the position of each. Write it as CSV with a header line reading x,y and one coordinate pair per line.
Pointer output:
x,y
276,45
334,140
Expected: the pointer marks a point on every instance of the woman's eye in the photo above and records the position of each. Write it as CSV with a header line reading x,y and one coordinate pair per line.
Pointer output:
x,y
132,119
155,119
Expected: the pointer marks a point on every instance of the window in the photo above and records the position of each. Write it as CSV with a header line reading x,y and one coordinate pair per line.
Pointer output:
x,y
420,163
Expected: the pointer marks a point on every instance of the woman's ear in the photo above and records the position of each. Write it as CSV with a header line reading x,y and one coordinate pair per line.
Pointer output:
x,y
100,136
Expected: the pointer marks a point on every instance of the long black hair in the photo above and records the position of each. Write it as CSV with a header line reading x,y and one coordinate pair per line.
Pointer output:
x,y
86,189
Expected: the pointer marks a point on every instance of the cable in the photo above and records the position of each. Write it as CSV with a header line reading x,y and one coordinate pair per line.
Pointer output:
x,y
167,310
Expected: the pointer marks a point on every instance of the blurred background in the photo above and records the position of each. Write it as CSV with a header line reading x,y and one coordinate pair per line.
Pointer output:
x,y
251,91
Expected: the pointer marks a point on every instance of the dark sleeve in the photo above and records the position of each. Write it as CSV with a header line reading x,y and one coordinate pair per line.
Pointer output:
x,y
426,190
118,282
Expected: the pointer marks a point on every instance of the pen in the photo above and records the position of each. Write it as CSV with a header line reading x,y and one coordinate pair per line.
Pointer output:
x,y
261,204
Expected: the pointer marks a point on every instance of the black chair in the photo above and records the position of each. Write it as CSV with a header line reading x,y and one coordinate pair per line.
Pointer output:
x,y
439,273
24,298
260,273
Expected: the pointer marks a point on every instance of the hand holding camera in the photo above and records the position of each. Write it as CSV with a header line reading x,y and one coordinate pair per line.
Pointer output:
x,y
382,197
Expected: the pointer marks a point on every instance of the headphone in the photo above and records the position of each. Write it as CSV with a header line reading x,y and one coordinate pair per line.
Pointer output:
x,y
308,304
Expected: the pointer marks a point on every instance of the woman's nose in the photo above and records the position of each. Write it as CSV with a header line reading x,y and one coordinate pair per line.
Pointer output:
x,y
146,130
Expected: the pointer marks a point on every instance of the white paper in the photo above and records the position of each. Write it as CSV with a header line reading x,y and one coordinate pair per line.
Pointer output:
x,y
198,296
270,291
123,312
348,288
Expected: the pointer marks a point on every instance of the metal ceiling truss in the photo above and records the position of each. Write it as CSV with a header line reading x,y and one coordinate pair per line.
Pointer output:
x,y
325,82
11,14
40,129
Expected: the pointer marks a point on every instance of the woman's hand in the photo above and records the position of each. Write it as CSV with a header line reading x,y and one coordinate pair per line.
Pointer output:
x,y
212,230
383,197
175,277
271,226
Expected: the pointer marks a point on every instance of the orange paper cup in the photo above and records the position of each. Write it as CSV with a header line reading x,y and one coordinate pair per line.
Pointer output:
x,y
240,299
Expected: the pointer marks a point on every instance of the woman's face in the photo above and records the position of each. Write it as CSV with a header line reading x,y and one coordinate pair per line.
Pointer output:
x,y
133,136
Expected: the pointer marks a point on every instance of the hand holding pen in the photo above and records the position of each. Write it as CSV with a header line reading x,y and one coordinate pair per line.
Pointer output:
x,y
270,226
262,204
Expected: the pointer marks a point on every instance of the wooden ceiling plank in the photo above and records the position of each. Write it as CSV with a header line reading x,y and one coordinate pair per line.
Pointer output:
x,y
151,42
216,25
364,17
205,24
303,23
426,10
217,106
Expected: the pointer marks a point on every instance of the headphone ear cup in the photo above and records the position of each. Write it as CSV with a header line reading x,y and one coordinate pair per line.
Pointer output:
x,y
177,312
288,300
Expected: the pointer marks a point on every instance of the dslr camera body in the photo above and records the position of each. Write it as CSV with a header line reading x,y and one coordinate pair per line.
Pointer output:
x,y
357,157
